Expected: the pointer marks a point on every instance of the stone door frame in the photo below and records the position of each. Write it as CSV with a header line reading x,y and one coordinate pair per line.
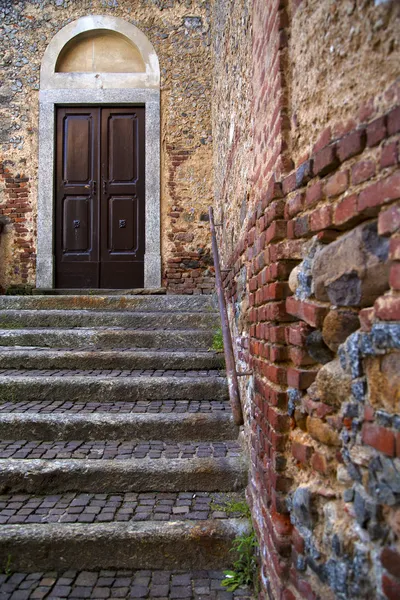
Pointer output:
x,y
112,89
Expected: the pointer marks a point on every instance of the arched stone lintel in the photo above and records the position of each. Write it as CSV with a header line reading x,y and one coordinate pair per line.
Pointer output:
x,y
49,79
114,89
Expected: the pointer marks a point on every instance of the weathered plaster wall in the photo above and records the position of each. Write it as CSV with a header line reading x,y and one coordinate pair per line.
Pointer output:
x,y
180,33
328,87
314,294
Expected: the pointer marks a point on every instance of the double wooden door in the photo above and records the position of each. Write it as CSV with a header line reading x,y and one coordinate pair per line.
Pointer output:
x,y
100,201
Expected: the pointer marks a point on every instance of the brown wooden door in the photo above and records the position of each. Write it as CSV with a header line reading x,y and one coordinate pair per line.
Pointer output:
x,y
100,209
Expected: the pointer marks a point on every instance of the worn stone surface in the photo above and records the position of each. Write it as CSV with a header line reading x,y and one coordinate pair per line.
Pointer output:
x,y
135,545
332,385
129,475
338,325
317,348
384,381
353,270
183,427
108,338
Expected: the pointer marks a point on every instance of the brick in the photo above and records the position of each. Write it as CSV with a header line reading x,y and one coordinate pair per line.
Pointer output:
x,y
337,184
314,193
351,145
311,313
376,131
387,308
304,173
301,452
294,205
391,588
390,560
362,171
297,334
276,231
380,438
394,248
393,121
379,193
319,463
389,155
366,316
325,161
346,211
323,140
300,226
300,379
300,357
289,184
279,421
321,218
394,276
389,220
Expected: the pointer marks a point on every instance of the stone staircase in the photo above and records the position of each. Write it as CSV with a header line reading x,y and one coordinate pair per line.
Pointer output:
x,y
118,449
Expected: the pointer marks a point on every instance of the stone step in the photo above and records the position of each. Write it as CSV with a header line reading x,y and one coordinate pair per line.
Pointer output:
x,y
108,338
126,385
139,545
112,583
107,426
98,292
11,319
167,303
121,359
112,475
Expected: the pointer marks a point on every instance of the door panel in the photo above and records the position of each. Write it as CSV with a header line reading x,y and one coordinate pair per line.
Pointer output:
x,y
78,146
100,195
123,225
122,203
76,210
123,137
76,225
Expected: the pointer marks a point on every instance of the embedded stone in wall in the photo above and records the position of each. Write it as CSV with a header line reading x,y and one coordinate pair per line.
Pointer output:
x,y
353,270
383,374
332,385
337,327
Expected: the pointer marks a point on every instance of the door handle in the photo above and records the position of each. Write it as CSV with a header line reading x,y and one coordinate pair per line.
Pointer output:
x,y
94,188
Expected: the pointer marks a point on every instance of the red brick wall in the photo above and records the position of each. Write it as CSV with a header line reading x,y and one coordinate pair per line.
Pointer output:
x,y
324,505
17,208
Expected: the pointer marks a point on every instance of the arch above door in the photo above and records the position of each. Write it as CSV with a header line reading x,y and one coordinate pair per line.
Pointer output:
x,y
85,88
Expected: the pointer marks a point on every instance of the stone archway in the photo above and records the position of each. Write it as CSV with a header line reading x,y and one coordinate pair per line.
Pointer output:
x,y
58,86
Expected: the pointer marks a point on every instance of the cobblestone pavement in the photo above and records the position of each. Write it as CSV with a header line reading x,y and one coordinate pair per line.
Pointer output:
x,y
101,349
109,373
140,406
118,450
162,585
105,508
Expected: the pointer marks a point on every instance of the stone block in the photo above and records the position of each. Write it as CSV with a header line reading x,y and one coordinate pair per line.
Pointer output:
x,y
337,327
353,270
383,375
333,385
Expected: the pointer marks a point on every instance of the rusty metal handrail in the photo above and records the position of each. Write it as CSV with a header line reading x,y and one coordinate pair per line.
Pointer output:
x,y
230,364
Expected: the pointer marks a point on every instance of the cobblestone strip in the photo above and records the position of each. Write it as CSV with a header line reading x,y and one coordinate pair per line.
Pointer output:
x,y
141,406
118,450
163,585
110,373
106,508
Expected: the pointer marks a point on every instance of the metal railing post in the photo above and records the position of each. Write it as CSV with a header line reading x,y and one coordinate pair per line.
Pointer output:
x,y
231,373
